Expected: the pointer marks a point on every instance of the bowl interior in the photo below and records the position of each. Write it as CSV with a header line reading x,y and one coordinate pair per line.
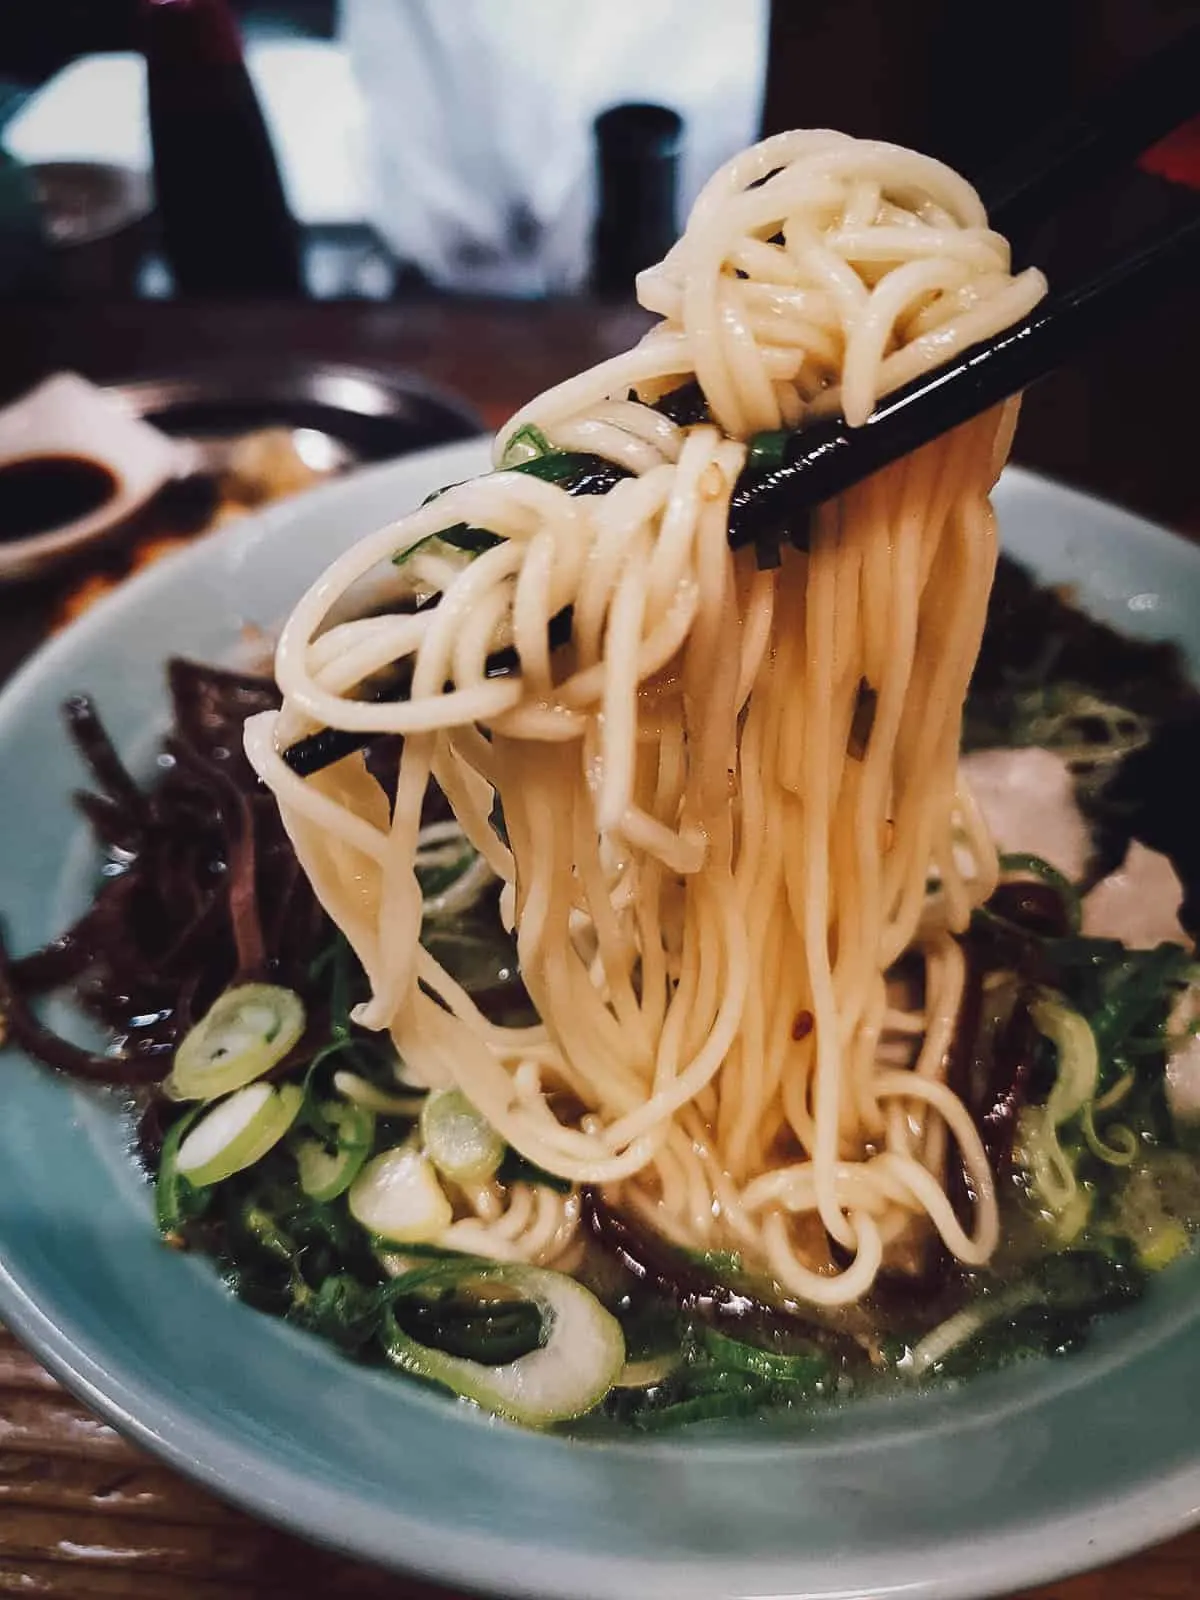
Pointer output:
x,y
1003,1482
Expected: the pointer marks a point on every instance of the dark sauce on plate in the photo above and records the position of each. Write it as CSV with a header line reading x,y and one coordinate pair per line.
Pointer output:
x,y
38,493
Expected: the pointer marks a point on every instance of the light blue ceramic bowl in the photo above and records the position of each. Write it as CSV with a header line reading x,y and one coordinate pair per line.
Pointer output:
x,y
1008,1481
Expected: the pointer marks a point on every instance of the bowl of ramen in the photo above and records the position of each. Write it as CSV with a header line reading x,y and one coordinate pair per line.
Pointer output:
x,y
608,1065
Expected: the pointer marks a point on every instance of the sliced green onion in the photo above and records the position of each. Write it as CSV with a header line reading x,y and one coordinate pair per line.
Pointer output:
x,y
1158,1205
525,445
409,551
702,1379
647,1372
1074,1217
263,1231
397,1262
397,1197
581,1354
1050,1170
1119,1091
1066,1204
1078,1059
805,1367
767,450
1076,1285
176,1198
325,1174
700,1408
723,1264
560,466
492,1332
1135,999
950,1335
461,1143
443,853
1163,1246
366,1094
238,1131
1117,1148
245,1032
451,872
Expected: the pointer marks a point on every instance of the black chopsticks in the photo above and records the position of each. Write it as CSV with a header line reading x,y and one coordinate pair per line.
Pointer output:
x,y
817,463
820,462
321,749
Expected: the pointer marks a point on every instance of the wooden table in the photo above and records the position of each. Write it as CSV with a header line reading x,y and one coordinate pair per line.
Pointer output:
x,y
81,1512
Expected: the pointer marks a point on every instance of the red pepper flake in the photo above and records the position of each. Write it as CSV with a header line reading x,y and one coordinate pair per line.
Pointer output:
x,y
802,1026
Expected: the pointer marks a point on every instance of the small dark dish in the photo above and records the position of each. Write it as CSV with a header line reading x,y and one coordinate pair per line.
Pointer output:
x,y
372,415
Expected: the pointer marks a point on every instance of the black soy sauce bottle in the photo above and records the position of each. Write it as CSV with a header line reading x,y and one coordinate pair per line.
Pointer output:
x,y
226,227
638,149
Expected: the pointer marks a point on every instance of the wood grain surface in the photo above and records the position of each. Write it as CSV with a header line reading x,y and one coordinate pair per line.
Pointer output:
x,y
82,1513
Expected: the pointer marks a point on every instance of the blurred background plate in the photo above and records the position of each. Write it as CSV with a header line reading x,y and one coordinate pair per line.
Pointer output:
x,y
268,427
368,414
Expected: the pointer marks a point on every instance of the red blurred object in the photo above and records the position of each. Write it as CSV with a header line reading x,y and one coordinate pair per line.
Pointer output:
x,y
1176,157
192,33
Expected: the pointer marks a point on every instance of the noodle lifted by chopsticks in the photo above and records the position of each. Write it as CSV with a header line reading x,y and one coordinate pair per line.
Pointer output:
x,y
732,803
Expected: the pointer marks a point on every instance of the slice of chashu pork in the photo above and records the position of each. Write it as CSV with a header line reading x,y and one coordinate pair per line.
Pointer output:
x,y
1027,797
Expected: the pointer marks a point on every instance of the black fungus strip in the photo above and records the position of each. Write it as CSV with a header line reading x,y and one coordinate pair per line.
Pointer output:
x,y
1008,1087
97,749
27,1031
240,887
207,891
110,822
211,705
683,1280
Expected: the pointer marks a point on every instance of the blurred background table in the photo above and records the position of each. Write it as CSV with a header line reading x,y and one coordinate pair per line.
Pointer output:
x,y
82,1513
